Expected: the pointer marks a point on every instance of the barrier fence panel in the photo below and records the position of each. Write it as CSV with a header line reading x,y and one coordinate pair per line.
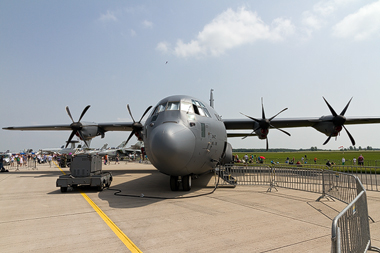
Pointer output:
x,y
350,229
369,176
339,185
298,178
244,175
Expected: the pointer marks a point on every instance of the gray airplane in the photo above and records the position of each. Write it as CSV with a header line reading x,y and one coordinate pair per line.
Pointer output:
x,y
184,136
63,150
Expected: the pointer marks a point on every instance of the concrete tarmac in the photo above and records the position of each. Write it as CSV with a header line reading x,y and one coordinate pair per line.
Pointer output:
x,y
36,217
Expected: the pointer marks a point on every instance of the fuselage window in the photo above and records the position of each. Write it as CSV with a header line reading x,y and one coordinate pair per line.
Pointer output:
x,y
172,106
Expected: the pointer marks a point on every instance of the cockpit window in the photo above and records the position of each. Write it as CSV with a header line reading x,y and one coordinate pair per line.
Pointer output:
x,y
161,108
187,107
200,108
172,106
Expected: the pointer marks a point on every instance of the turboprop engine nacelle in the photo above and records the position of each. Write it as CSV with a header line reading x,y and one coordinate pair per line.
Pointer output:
x,y
227,154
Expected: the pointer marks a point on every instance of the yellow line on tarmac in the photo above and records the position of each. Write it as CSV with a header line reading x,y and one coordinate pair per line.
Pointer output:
x,y
130,245
127,242
59,168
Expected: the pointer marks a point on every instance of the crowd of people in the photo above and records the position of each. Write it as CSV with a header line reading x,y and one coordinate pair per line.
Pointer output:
x,y
304,160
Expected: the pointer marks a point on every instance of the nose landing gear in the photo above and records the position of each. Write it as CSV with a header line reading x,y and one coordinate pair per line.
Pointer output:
x,y
175,182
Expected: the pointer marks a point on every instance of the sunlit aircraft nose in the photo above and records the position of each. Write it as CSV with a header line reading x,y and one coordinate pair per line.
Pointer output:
x,y
171,147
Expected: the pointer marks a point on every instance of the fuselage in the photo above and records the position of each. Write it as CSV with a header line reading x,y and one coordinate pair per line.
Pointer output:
x,y
184,136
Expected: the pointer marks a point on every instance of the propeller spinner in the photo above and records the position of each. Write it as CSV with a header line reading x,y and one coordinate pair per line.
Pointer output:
x,y
137,127
264,124
338,122
76,126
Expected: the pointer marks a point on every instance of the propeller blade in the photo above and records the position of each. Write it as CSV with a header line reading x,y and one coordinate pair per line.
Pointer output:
x,y
258,121
71,137
331,109
328,139
278,114
84,111
147,110
130,136
345,108
267,143
349,135
262,109
82,137
130,113
280,130
248,134
68,112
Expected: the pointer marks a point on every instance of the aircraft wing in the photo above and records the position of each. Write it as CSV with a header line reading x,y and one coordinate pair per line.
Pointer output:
x,y
362,120
236,124
118,126
240,134
40,128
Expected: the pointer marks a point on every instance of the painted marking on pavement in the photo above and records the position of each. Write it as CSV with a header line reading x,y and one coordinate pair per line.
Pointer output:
x,y
130,245
127,242
59,168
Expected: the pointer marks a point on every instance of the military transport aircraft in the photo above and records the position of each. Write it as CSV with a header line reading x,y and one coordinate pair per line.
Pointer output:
x,y
184,136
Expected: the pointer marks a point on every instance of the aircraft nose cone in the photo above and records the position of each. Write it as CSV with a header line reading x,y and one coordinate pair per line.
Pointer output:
x,y
171,147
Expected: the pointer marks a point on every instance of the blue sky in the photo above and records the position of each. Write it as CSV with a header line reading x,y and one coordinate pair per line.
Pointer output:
x,y
111,53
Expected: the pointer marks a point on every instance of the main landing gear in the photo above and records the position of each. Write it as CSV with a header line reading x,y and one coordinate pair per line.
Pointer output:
x,y
175,182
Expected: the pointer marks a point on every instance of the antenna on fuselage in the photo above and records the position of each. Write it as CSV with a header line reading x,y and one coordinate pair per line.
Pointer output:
x,y
212,98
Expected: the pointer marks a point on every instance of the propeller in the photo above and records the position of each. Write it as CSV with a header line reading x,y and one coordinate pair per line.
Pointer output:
x,y
137,127
76,126
338,122
264,124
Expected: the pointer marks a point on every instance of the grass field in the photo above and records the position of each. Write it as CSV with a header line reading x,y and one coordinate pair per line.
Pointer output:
x,y
371,158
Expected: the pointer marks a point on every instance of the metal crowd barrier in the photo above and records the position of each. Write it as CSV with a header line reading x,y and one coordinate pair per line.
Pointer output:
x,y
30,163
369,176
350,229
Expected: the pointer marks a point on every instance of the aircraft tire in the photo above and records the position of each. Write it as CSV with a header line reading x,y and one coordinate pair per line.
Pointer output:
x,y
63,189
186,183
174,184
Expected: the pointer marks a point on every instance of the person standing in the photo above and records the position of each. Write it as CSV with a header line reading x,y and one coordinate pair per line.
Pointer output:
x,y
105,159
50,158
361,160
1,164
343,161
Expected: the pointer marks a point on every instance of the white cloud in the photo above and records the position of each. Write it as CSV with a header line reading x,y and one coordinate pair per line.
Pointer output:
x,y
163,47
361,25
109,16
147,24
320,14
312,20
231,29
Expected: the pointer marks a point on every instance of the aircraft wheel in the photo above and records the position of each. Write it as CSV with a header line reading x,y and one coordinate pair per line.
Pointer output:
x,y
174,184
186,183
63,189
